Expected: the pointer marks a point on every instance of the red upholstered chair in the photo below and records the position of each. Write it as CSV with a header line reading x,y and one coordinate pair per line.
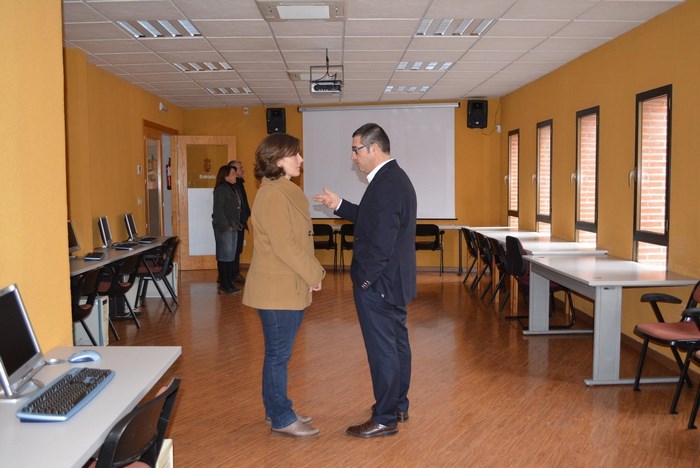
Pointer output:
x,y
671,334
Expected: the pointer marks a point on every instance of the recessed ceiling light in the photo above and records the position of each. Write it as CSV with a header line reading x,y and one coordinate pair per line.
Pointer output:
x,y
442,28
423,28
170,28
445,66
431,66
150,28
283,10
130,29
462,27
483,26
416,66
402,66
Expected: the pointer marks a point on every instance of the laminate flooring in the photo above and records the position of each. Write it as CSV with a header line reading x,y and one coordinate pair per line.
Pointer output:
x,y
482,394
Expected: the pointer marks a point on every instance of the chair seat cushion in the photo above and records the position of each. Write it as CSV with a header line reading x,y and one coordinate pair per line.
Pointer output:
x,y
669,331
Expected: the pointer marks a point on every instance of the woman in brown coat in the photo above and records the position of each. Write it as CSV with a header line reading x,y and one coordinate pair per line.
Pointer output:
x,y
283,272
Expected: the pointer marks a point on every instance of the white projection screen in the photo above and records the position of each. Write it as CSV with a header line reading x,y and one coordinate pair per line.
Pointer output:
x,y
422,142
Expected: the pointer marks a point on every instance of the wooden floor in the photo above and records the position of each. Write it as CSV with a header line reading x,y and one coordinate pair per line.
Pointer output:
x,y
482,394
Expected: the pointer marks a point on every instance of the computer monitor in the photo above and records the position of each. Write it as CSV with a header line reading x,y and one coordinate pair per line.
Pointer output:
x,y
131,227
105,231
73,244
20,355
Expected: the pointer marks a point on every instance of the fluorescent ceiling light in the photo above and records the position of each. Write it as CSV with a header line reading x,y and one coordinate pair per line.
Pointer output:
x,y
424,89
189,27
483,26
284,10
445,66
423,28
417,65
402,66
431,66
442,28
170,28
130,29
150,28
462,27
299,12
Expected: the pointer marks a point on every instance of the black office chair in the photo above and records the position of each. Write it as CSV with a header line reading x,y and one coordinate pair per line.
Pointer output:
x,y
499,258
84,286
471,252
347,233
429,237
484,253
324,239
520,269
139,435
156,268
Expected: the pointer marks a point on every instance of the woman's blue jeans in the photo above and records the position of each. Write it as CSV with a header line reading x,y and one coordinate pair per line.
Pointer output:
x,y
280,330
225,245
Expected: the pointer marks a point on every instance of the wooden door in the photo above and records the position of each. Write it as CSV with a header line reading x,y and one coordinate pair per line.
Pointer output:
x,y
198,161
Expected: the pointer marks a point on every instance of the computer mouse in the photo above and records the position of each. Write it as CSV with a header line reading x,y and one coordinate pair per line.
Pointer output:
x,y
87,355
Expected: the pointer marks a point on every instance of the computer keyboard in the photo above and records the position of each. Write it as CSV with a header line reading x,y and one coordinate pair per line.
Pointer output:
x,y
92,256
147,240
66,395
125,245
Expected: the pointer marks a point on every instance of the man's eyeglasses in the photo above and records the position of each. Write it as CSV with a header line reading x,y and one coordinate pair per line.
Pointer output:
x,y
356,149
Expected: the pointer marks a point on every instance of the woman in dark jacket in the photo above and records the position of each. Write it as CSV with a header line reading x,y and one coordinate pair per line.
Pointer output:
x,y
226,220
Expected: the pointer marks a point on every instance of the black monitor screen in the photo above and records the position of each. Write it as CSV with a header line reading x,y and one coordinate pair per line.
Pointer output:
x,y
20,355
130,226
73,244
105,231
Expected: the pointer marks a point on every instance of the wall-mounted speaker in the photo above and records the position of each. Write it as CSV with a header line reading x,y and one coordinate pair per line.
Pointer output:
x,y
276,122
477,114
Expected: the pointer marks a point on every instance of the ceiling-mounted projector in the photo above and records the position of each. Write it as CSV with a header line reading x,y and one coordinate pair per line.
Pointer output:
x,y
327,86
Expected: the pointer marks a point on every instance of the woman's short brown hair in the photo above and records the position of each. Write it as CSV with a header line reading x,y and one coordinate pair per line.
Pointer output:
x,y
273,148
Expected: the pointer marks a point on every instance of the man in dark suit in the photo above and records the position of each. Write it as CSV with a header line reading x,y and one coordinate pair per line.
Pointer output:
x,y
383,273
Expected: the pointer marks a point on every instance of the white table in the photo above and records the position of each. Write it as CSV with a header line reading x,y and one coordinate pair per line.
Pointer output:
x,y
600,278
458,228
73,442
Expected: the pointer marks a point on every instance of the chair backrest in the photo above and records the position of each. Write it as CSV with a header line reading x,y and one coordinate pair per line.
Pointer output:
x,y
694,298
431,231
499,254
84,285
347,232
139,435
112,280
325,232
515,264
482,245
169,256
469,239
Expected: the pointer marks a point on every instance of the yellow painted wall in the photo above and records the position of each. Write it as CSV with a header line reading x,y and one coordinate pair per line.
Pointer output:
x,y
663,51
33,236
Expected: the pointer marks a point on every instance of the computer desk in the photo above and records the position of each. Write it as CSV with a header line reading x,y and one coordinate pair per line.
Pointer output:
x,y
80,265
600,278
73,442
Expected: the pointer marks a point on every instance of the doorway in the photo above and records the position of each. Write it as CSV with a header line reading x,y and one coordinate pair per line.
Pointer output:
x,y
198,161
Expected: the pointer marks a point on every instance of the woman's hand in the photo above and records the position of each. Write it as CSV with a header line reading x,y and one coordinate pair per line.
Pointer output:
x,y
315,288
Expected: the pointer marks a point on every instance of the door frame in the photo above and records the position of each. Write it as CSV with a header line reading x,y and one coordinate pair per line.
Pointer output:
x,y
198,262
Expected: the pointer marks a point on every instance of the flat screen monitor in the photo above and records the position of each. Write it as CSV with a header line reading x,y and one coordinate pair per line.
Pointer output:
x,y
131,227
20,355
73,244
105,231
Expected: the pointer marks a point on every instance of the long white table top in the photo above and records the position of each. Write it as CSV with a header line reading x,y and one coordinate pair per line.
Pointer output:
x,y
597,271
536,243
73,442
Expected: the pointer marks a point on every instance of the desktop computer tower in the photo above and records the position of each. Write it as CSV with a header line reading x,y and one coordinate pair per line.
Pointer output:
x,y
98,324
